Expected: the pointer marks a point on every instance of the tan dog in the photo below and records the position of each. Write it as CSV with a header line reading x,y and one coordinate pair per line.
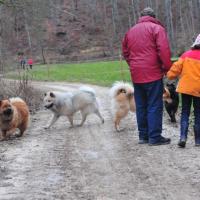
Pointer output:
x,y
14,113
122,101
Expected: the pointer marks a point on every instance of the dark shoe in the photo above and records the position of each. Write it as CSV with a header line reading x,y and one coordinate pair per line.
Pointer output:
x,y
182,143
162,141
143,141
197,145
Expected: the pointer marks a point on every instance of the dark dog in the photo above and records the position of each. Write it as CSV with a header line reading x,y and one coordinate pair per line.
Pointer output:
x,y
171,101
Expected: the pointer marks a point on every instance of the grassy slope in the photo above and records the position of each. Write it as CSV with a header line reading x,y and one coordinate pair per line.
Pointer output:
x,y
99,73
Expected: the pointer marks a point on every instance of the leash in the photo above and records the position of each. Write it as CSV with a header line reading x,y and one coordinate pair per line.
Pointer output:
x,y
121,67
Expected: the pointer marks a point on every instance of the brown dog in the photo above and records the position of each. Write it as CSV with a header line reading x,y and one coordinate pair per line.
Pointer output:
x,y
14,113
122,101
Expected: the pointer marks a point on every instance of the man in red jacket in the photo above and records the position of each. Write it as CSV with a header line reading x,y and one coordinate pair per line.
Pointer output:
x,y
146,50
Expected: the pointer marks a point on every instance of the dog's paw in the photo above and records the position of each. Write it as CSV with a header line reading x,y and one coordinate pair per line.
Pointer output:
x,y
79,125
18,135
118,129
173,120
4,138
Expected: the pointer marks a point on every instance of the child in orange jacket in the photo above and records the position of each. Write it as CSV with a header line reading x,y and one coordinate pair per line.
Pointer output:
x,y
188,69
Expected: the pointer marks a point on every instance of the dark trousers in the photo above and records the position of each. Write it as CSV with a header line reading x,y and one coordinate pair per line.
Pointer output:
x,y
149,109
185,114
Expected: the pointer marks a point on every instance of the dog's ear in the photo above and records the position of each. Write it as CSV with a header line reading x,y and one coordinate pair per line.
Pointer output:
x,y
173,86
52,94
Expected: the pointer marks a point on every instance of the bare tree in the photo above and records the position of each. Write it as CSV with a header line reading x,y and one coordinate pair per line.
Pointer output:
x,y
70,26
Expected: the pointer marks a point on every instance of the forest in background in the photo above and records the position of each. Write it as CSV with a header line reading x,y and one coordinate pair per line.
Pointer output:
x,y
74,30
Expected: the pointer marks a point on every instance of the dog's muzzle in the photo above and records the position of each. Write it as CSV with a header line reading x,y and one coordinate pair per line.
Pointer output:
x,y
49,106
8,112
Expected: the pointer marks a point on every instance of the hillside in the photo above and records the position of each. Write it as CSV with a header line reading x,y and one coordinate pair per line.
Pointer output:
x,y
66,30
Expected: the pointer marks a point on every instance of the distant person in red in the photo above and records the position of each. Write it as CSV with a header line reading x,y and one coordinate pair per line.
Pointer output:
x,y
30,63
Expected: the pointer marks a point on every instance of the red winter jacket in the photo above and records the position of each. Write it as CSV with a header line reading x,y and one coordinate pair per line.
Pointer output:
x,y
30,61
146,50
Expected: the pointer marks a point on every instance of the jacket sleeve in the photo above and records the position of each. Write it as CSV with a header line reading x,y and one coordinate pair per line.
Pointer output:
x,y
125,50
175,70
163,48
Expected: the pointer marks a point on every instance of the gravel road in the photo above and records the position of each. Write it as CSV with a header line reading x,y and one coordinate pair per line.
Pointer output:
x,y
94,162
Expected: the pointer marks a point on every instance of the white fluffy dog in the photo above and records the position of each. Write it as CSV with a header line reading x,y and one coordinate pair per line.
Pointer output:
x,y
67,104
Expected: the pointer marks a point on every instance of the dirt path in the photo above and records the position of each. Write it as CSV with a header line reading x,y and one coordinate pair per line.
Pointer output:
x,y
94,162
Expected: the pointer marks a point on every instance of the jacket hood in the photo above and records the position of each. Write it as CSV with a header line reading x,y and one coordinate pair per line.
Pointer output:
x,y
149,19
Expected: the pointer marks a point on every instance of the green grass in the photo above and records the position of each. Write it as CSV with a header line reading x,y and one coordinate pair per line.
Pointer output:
x,y
100,73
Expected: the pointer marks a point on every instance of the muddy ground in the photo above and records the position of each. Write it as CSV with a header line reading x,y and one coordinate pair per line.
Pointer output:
x,y
94,162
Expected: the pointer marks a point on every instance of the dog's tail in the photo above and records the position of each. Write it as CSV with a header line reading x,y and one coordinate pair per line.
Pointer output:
x,y
121,87
87,89
16,99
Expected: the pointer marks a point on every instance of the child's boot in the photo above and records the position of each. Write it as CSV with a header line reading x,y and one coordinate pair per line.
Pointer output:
x,y
183,136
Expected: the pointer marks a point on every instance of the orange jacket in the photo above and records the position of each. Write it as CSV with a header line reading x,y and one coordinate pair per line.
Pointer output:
x,y
188,70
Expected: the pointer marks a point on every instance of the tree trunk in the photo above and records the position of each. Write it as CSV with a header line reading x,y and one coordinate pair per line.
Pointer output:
x,y
27,32
43,55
